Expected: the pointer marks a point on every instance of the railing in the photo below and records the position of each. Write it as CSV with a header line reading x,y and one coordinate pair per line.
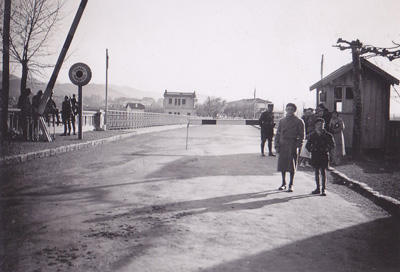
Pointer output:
x,y
131,120
14,124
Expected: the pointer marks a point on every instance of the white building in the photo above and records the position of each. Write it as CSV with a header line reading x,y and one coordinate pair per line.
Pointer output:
x,y
179,103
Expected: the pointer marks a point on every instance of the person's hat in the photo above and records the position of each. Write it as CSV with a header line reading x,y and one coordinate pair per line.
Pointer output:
x,y
40,92
319,120
66,97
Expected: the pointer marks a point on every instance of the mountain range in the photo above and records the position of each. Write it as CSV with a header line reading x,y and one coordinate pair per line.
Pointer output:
x,y
61,89
92,89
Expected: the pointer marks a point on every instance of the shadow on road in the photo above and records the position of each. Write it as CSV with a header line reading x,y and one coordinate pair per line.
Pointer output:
x,y
223,165
365,247
215,204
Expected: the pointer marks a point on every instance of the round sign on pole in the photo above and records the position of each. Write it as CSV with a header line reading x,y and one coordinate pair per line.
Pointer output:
x,y
80,74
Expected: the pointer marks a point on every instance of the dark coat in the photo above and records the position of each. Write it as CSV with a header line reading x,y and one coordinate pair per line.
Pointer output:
x,y
319,146
266,123
66,111
24,104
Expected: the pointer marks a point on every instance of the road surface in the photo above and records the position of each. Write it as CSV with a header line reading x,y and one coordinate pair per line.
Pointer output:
x,y
149,204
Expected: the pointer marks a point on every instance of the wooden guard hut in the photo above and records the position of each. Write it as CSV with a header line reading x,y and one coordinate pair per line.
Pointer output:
x,y
335,91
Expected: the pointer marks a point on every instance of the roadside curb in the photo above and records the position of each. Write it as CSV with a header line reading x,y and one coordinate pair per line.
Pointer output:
x,y
62,149
390,204
66,148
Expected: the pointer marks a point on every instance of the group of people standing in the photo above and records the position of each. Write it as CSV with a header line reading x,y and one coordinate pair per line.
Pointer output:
x,y
332,124
29,115
318,137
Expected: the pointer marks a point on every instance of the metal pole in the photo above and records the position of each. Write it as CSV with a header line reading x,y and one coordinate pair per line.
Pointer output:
x,y
187,134
61,58
106,109
322,76
80,132
254,106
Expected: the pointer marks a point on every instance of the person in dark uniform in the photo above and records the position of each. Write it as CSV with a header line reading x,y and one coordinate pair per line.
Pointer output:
x,y
51,108
66,112
74,103
75,110
24,104
267,125
320,145
35,107
326,115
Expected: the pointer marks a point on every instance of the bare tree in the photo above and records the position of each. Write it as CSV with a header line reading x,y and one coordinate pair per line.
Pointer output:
x,y
244,109
358,50
211,107
33,22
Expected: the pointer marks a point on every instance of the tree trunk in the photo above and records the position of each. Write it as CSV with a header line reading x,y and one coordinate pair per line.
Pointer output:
x,y
357,106
5,86
24,76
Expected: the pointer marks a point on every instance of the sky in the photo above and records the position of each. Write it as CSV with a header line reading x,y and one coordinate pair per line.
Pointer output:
x,y
226,48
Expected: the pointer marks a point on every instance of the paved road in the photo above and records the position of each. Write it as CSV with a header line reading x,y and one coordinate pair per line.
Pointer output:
x,y
148,204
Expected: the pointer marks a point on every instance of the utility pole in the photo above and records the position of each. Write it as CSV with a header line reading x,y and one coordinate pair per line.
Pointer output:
x,y
106,107
357,103
322,76
356,48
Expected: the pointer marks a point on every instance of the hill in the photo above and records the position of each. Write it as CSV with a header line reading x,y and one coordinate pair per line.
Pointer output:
x,y
61,89
92,89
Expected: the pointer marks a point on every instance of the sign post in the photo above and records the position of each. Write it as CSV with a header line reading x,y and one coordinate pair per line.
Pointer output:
x,y
80,74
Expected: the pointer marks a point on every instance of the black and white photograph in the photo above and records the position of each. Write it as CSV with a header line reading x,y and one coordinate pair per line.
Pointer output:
x,y
200,135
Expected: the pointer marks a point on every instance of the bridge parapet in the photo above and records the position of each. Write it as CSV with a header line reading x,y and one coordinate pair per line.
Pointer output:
x,y
130,120
14,124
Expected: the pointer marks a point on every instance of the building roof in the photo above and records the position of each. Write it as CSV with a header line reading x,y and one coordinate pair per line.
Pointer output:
x,y
179,94
138,106
258,100
348,67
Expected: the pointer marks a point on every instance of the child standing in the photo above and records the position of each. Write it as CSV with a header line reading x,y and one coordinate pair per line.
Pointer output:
x,y
320,145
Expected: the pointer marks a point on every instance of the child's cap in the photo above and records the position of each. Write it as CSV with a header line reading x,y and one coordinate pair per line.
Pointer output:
x,y
319,120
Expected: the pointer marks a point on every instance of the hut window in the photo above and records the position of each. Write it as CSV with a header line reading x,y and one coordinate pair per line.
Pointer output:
x,y
349,93
338,98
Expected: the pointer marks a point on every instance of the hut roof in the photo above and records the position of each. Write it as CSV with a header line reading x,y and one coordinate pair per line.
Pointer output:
x,y
348,67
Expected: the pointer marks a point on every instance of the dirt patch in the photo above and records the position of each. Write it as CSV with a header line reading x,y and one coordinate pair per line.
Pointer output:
x,y
381,175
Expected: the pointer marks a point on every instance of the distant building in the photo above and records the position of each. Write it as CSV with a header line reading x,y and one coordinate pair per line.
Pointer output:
x,y
179,103
254,106
135,107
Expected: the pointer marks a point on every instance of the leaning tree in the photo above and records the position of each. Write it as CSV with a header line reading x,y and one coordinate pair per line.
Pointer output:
x,y
358,49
